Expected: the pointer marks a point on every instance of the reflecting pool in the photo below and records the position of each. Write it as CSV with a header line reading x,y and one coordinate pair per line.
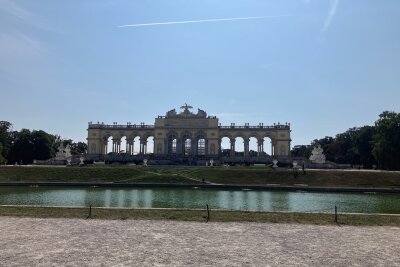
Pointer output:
x,y
197,198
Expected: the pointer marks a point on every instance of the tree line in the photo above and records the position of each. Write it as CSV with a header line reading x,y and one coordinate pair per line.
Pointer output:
x,y
366,146
24,146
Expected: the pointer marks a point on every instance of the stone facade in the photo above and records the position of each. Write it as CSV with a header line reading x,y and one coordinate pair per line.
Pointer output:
x,y
187,134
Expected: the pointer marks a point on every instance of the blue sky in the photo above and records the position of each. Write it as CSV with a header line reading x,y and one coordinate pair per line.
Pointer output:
x,y
323,66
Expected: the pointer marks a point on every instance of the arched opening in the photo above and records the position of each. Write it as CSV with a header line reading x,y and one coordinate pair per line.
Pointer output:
x,y
239,147
109,145
172,142
201,145
187,144
253,147
268,147
123,146
136,145
148,145
225,146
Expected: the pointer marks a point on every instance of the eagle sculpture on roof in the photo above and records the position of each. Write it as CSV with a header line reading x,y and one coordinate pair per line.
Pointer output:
x,y
186,108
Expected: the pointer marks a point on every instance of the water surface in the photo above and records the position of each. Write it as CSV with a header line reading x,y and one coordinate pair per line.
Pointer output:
x,y
197,198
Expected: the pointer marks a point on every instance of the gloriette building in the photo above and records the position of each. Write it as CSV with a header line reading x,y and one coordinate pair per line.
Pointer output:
x,y
186,134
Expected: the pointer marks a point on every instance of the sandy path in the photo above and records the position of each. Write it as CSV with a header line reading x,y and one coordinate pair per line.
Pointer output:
x,y
76,242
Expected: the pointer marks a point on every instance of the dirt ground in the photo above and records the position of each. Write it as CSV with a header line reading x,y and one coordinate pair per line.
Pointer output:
x,y
76,242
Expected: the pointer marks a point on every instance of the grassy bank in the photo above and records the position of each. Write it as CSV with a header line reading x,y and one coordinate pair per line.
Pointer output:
x,y
199,215
182,175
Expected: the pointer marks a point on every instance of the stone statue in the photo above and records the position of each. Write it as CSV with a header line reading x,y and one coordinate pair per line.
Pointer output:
x,y
201,113
81,159
275,162
67,151
171,113
186,108
317,155
60,152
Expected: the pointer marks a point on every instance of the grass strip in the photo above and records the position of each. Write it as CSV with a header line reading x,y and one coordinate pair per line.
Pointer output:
x,y
199,215
193,175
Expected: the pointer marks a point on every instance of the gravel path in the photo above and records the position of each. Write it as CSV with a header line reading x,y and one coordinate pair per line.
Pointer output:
x,y
76,242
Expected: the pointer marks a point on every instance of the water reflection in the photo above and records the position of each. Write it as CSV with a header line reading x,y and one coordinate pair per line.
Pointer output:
x,y
198,198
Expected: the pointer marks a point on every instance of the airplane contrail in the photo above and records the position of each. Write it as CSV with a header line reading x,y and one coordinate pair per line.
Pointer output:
x,y
199,21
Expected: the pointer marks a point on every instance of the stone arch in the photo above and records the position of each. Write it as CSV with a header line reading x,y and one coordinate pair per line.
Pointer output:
x,y
172,142
269,142
132,141
225,134
225,145
136,145
107,143
123,145
120,142
200,144
239,145
146,145
254,146
186,143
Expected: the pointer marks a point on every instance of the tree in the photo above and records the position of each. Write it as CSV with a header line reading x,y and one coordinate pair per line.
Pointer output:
x,y
325,143
362,142
27,146
1,154
351,147
22,148
76,148
5,128
43,145
301,151
79,148
386,141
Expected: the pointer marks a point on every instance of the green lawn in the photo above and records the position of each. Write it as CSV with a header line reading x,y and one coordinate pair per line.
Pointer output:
x,y
199,215
286,177
185,175
92,174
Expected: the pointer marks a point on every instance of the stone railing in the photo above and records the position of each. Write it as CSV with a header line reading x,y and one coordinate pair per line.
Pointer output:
x,y
119,126
276,126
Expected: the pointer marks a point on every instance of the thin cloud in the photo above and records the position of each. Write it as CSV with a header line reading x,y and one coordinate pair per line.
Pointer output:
x,y
15,10
12,9
331,15
200,21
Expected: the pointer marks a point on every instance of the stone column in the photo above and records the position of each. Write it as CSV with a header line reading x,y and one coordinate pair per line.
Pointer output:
x,y
246,146
193,147
141,147
118,146
260,143
127,147
272,148
179,146
145,147
114,147
132,147
232,153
